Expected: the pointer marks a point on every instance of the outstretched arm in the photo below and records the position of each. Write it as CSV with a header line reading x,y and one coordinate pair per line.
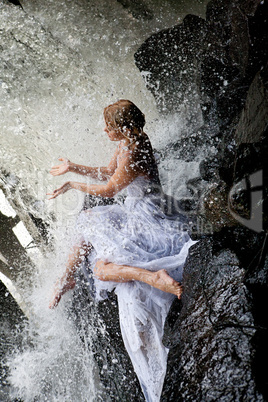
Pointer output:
x,y
99,173
122,177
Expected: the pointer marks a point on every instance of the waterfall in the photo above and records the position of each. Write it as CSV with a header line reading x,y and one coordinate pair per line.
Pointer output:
x,y
62,63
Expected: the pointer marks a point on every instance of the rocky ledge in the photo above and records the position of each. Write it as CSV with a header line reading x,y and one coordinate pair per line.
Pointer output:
x,y
217,333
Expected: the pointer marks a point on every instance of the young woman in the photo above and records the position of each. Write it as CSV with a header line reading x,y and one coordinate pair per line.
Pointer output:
x,y
135,248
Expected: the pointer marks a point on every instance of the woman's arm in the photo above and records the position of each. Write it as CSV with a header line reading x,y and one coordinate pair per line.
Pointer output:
x,y
99,173
122,177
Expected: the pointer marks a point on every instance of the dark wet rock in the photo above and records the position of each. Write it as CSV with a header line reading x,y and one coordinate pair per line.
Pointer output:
x,y
214,206
217,334
168,58
15,2
258,32
242,204
257,274
254,117
186,204
217,57
137,9
251,158
234,161
188,146
257,280
212,353
209,169
245,243
236,191
229,24
248,7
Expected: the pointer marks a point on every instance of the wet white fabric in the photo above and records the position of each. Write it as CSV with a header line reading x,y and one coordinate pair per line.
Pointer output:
x,y
138,233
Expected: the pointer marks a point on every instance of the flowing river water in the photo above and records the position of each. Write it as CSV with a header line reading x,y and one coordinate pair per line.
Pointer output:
x,y
62,62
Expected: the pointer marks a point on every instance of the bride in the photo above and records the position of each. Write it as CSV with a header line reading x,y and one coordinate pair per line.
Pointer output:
x,y
136,248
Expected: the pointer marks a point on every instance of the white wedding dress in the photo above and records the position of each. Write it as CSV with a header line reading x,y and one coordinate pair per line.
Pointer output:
x,y
138,233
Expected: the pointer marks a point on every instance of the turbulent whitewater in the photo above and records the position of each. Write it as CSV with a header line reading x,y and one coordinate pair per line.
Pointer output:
x,y
62,62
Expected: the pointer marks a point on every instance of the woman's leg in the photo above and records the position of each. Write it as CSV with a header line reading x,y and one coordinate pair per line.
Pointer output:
x,y
124,273
67,281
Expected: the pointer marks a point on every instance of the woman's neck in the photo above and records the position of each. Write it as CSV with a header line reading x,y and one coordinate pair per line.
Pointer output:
x,y
127,142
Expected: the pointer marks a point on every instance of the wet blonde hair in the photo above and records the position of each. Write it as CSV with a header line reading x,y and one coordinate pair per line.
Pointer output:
x,y
124,115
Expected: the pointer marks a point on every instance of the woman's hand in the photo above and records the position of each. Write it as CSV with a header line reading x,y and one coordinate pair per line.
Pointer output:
x,y
59,291
61,190
61,169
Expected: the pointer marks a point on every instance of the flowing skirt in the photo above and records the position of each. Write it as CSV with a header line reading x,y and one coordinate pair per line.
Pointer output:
x,y
138,233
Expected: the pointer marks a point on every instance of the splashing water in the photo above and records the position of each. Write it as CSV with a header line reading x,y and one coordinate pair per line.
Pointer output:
x,y
64,61
55,362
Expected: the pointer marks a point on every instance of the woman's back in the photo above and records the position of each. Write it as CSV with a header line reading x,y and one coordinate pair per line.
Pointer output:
x,y
142,157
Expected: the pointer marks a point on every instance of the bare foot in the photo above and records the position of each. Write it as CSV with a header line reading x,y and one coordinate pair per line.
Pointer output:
x,y
59,292
164,282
